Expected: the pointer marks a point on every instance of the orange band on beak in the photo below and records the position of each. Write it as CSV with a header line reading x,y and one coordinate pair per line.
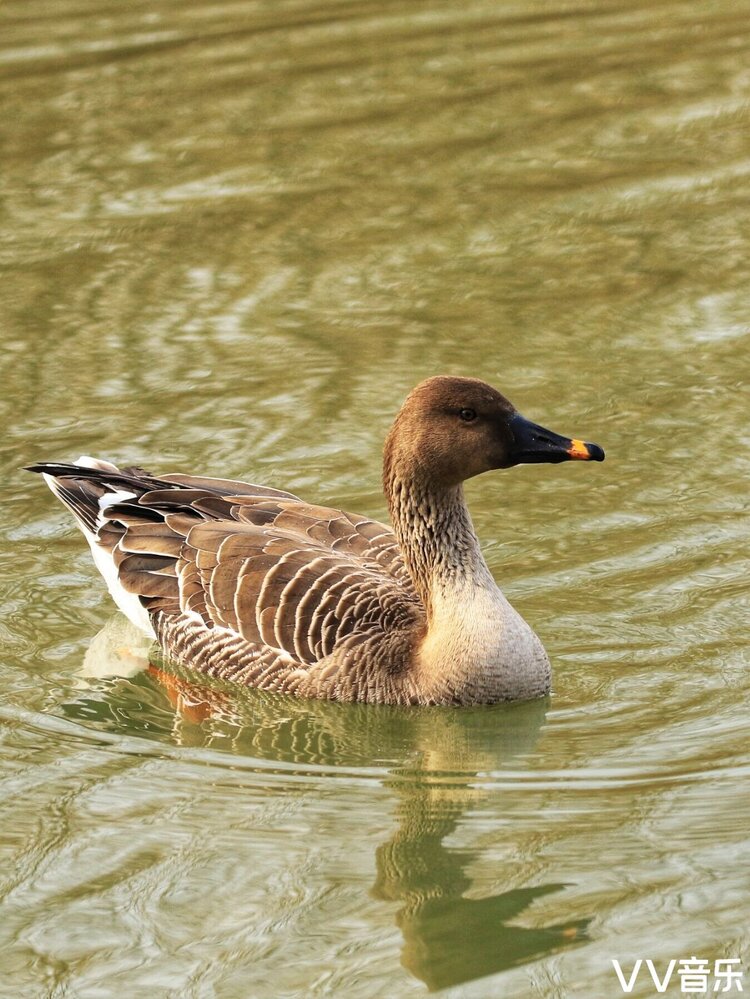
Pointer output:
x,y
579,450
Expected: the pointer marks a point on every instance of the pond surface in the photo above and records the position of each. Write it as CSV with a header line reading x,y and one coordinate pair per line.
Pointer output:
x,y
234,235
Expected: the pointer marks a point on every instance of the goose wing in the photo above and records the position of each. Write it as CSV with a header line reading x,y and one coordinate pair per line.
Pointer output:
x,y
285,589
261,563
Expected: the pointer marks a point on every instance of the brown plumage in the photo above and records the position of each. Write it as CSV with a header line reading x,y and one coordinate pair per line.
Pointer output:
x,y
254,585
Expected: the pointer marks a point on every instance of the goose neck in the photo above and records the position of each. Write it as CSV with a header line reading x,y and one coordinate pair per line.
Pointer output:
x,y
437,539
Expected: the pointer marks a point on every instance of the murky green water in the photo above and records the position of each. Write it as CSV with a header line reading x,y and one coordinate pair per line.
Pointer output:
x,y
235,234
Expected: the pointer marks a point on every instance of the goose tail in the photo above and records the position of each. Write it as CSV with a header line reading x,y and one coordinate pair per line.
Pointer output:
x,y
87,487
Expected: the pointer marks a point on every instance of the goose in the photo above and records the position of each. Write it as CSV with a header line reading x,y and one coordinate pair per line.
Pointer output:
x,y
253,584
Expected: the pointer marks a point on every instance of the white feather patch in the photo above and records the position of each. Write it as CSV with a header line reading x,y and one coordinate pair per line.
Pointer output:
x,y
116,496
128,603
86,461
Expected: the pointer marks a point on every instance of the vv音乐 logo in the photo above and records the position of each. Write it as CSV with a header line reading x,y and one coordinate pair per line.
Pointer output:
x,y
692,975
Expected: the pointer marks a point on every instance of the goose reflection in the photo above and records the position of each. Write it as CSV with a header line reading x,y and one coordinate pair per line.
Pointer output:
x,y
435,759
451,937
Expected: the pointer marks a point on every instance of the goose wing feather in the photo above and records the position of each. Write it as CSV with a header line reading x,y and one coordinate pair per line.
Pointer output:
x,y
296,584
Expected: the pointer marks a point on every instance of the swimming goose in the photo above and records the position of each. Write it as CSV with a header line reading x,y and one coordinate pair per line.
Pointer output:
x,y
255,585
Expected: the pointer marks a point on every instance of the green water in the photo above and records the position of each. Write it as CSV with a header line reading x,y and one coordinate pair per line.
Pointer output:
x,y
234,234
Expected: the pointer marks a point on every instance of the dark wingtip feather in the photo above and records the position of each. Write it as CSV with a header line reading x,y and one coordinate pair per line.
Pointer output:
x,y
128,478
56,468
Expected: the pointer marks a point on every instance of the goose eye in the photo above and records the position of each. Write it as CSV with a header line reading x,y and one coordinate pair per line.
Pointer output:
x,y
468,415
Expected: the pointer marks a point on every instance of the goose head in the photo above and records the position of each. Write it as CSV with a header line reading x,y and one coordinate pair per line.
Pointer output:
x,y
450,429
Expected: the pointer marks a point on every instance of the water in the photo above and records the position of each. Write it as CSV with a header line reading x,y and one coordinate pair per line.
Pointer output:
x,y
235,235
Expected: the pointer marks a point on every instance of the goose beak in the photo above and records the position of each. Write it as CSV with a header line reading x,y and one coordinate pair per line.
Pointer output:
x,y
533,444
